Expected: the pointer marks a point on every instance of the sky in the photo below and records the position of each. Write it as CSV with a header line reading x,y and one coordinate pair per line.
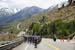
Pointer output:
x,y
28,3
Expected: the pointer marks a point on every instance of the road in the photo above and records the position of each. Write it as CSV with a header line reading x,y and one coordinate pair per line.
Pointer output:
x,y
47,44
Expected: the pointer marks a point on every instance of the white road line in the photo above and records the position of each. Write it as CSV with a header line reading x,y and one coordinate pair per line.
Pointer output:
x,y
26,47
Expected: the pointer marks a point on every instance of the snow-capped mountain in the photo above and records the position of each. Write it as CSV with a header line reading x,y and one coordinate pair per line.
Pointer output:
x,y
25,13
8,11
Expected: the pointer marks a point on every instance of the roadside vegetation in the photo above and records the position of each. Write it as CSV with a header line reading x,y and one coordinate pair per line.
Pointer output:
x,y
60,23
60,28
7,37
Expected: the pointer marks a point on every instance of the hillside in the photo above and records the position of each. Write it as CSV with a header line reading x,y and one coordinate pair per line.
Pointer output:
x,y
66,14
25,13
51,22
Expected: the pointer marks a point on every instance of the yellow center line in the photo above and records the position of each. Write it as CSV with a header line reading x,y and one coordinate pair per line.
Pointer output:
x,y
52,46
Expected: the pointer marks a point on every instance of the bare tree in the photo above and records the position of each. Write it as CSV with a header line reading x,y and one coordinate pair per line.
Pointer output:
x,y
70,2
73,2
61,6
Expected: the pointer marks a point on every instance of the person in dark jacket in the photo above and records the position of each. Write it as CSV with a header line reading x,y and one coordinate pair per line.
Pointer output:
x,y
54,37
35,41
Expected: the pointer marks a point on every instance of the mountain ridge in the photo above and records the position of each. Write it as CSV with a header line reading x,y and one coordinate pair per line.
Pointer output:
x,y
23,14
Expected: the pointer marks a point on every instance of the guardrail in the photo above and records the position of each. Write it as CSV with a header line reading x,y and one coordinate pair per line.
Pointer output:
x,y
11,45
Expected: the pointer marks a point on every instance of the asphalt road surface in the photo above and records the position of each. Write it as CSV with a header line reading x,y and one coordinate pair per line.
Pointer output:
x,y
47,44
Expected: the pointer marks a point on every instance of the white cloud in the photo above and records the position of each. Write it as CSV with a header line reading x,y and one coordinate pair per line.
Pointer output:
x,y
3,4
28,3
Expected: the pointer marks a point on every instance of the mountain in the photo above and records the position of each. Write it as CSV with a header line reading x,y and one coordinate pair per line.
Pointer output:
x,y
21,15
52,8
8,11
24,14
66,14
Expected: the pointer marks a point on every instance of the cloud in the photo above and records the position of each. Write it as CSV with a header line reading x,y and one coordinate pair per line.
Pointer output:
x,y
27,3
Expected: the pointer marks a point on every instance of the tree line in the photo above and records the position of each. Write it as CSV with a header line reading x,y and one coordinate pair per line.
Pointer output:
x,y
58,28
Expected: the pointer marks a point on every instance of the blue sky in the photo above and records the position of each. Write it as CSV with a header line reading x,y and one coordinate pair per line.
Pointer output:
x,y
27,3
